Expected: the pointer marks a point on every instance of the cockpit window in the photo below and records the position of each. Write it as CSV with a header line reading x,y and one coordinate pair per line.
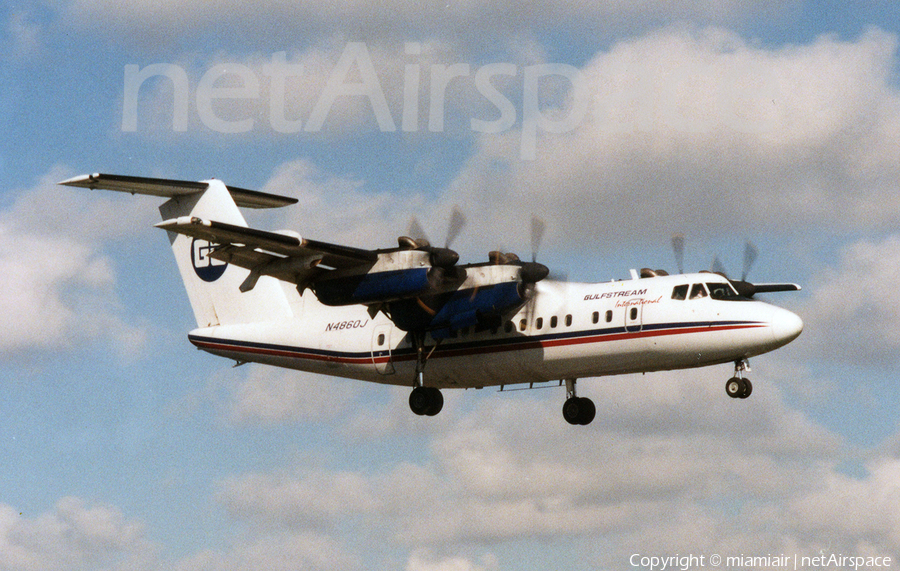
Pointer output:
x,y
698,291
680,292
723,291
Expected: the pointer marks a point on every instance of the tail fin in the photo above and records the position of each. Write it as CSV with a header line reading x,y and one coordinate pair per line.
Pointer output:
x,y
212,285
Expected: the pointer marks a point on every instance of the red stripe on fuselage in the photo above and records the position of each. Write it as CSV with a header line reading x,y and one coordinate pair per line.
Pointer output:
x,y
213,345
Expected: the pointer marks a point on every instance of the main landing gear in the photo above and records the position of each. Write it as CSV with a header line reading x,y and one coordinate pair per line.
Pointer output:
x,y
424,401
737,387
577,410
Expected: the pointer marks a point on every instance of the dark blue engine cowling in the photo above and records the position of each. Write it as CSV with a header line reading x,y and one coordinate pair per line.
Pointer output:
x,y
452,311
373,288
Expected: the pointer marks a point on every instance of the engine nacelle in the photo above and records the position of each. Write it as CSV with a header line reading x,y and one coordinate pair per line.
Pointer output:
x,y
445,313
373,287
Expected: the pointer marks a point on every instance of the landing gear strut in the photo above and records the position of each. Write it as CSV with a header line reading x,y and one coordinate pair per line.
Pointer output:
x,y
424,401
577,410
737,387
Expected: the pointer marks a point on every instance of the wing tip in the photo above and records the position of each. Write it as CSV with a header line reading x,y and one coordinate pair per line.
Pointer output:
x,y
80,180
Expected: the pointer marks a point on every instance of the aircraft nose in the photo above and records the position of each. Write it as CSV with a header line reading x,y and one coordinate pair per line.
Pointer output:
x,y
786,326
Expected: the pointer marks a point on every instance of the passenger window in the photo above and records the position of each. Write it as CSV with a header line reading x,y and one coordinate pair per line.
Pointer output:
x,y
595,317
380,339
553,321
568,320
698,291
539,323
609,316
522,325
508,327
634,313
680,292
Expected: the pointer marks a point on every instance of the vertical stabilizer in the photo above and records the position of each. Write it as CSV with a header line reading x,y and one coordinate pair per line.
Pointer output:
x,y
213,286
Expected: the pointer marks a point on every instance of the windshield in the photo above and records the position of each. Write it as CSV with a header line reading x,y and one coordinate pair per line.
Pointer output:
x,y
722,291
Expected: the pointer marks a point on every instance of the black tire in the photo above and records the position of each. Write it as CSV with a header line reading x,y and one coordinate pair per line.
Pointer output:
x,y
588,411
436,401
420,400
748,388
734,387
572,410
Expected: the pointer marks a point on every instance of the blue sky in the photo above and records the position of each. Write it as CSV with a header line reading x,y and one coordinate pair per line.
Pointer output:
x,y
775,122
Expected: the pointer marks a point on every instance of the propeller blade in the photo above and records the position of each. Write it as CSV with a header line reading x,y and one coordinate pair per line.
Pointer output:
x,y
457,223
750,255
678,249
718,267
537,235
415,231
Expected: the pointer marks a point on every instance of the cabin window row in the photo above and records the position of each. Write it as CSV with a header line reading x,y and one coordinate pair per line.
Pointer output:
x,y
554,321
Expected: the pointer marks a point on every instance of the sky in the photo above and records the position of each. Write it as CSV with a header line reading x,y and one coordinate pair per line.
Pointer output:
x,y
619,123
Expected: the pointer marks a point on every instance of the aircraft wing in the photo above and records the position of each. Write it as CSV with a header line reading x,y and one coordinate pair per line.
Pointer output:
x,y
287,257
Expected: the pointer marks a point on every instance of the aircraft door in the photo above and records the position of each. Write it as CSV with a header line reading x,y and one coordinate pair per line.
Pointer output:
x,y
381,350
634,318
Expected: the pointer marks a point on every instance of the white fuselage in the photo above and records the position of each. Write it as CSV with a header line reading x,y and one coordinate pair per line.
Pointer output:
x,y
565,331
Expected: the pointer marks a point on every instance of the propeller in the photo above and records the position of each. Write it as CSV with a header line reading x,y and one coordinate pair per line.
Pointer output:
x,y
750,255
537,236
743,287
533,272
418,240
418,234
457,223
678,249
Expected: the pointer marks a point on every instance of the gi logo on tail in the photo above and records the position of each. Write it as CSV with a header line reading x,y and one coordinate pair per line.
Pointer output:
x,y
207,268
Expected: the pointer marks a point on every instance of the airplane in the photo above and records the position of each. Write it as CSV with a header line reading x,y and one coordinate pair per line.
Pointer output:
x,y
413,316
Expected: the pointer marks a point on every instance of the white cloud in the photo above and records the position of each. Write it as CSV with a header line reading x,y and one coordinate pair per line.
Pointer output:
x,y
72,536
335,209
860,513
127,20
704,130
274,396
24,35
851,315
663,460
277,552
60,290
424,560
312,499
687,128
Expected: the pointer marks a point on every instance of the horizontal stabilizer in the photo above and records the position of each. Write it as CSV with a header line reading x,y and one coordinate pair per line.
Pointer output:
x,y
170,188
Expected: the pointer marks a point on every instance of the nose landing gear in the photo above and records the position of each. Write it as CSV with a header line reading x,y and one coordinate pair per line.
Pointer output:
x,y
737,387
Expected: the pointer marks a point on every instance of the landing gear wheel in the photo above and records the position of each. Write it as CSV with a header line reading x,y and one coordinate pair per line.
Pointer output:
x,y
437,401
426,401
579,410
738,388
748,388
